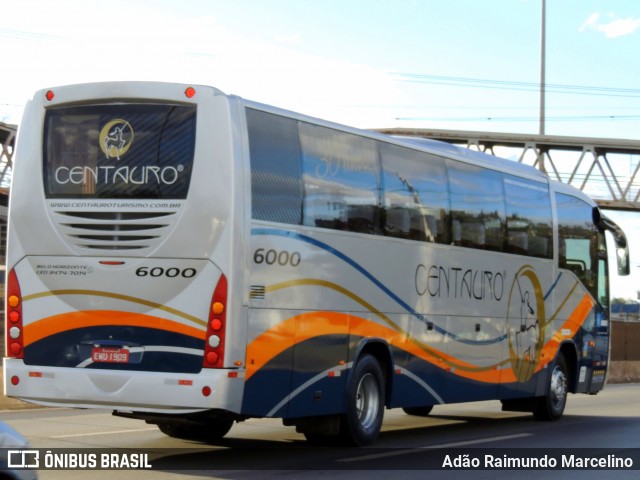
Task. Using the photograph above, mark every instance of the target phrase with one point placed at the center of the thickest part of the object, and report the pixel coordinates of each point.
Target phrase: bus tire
(205, 432)
(418, 411)
(361, 423)
(551, 406)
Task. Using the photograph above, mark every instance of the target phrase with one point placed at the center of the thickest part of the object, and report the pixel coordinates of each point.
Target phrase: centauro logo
(116, 138)
(526, 322)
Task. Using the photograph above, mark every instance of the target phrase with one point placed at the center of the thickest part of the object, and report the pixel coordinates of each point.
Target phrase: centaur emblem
(116, 138)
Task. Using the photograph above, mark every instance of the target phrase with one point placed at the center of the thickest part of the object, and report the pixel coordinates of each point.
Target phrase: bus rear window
(119, 151)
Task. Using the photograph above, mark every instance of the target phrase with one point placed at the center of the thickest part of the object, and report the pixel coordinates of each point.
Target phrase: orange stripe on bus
(282, 337)
(92, 318)
(302, 327)
(395, 336)
(116, 296)
(570, 327)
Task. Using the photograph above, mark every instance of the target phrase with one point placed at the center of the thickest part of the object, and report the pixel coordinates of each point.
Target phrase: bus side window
(276, 172)
(416, 198)
(477, 206)
(578, 240)
(341, 175)
(529, 224)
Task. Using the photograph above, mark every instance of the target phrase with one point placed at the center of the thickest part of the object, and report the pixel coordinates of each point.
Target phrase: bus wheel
(205, 432)
(418, 411)
(551, 406)
(362, 421)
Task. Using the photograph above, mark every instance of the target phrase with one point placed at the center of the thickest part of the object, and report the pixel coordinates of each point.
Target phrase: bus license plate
(110, 355)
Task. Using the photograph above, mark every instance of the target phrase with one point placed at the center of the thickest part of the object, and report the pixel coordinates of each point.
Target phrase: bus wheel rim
(558, 387)
(367, 400)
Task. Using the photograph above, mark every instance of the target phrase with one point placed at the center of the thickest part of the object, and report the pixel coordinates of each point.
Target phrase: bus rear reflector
(216, 327)
(14, 339)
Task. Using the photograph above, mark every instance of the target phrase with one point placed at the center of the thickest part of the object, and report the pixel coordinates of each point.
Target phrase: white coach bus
(194, 259)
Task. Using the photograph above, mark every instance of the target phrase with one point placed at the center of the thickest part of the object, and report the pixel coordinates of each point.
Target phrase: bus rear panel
(118, 284)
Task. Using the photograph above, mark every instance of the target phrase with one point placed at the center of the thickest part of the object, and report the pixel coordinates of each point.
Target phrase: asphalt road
(408, 447)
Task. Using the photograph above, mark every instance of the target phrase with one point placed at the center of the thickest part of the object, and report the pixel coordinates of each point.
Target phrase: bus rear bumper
(158, 392)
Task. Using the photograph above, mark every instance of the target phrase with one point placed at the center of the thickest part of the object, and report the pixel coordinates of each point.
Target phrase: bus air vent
(257, 292)
(114, 230)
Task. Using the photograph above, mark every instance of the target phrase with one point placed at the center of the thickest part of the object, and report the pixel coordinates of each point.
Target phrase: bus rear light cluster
(14, 328)
(216, 326)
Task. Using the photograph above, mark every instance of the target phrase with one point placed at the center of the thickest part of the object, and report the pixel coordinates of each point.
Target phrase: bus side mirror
(622, 256)
(622, 246)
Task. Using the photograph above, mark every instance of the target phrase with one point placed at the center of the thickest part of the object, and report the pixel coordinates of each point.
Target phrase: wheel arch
(380, 350)
(570, 354)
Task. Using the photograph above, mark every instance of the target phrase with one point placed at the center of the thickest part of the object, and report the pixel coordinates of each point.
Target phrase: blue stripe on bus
(380, 285)
(553, 286)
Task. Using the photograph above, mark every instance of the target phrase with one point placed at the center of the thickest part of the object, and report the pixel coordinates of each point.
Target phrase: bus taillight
(216, 326)
(14, 328)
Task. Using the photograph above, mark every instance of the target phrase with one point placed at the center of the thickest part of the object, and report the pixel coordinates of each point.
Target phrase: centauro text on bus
(194, 259)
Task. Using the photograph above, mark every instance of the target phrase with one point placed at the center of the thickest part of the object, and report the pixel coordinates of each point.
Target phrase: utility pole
(543, 48)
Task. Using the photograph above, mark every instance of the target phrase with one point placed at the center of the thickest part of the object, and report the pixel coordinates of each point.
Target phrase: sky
(459, 64)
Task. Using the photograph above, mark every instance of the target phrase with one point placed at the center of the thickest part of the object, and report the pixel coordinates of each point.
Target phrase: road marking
(71, 435)
(434, 447)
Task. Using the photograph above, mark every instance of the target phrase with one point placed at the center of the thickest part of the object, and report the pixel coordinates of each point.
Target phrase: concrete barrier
(624, 372)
